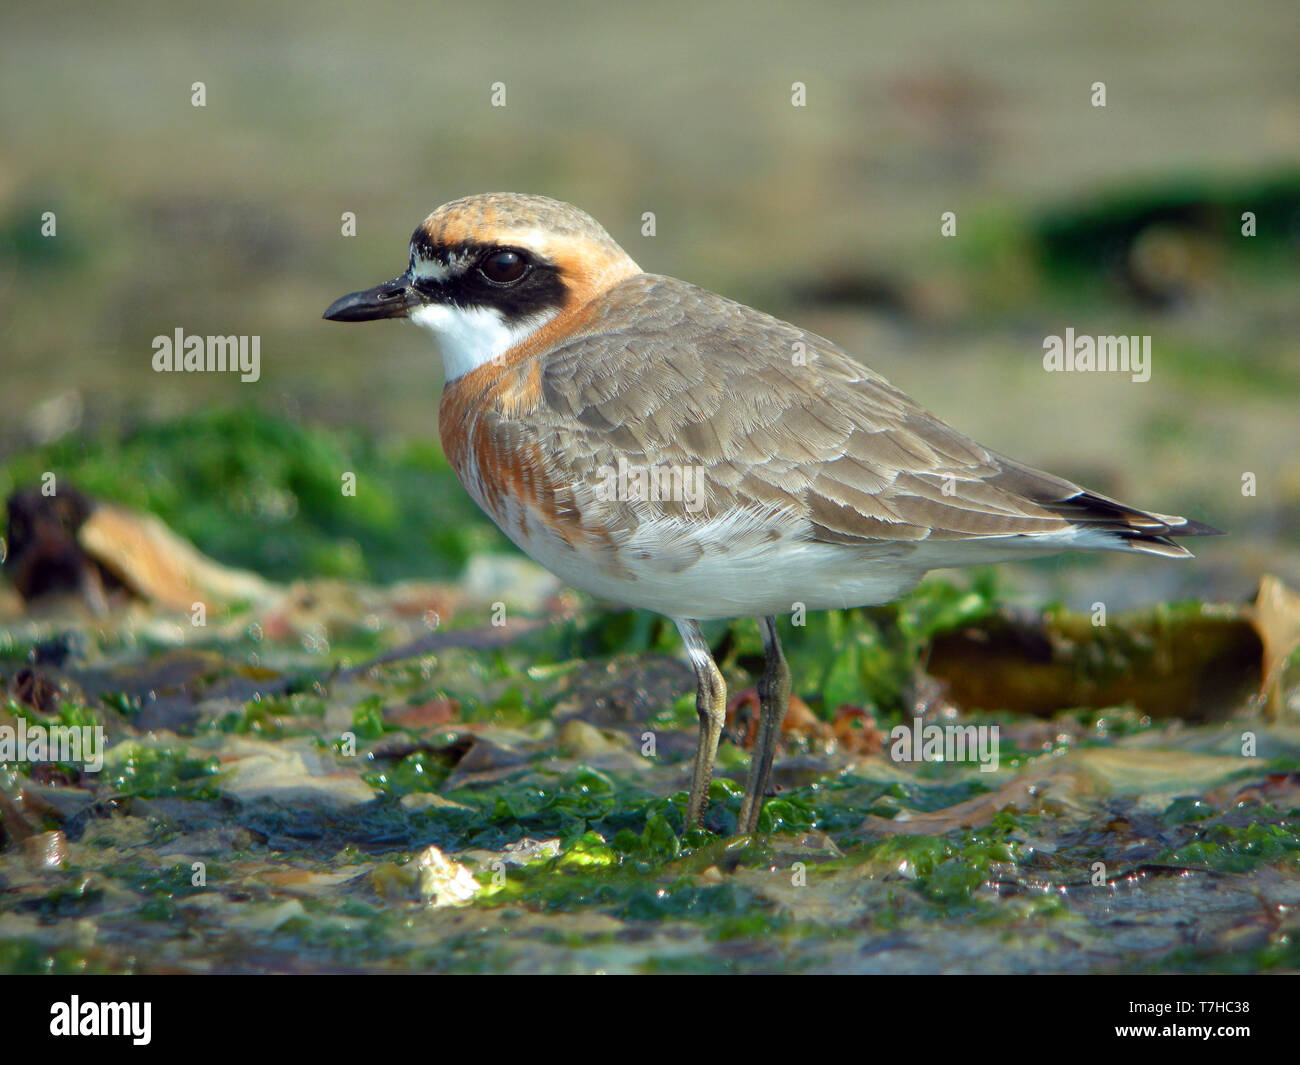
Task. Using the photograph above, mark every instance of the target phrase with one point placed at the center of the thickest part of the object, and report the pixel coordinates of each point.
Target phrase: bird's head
(486, 272)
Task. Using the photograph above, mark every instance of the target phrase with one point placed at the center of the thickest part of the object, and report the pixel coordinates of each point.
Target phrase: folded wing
(788, 430)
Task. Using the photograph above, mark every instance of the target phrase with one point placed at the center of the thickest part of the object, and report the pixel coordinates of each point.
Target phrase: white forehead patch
(435, 269)
(470, 337)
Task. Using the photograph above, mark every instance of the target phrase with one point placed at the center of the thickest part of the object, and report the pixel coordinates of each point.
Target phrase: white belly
(704, 573)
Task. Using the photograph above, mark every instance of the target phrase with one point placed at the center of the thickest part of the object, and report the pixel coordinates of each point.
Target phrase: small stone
(47, 850)
(444, 882)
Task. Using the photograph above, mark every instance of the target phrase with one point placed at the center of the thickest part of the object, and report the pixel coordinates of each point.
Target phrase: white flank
(730, 567)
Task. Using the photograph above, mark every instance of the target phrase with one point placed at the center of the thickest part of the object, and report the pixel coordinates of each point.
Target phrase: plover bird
(658, 445)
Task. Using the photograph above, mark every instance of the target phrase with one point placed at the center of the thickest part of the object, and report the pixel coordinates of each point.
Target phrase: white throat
(469, 337)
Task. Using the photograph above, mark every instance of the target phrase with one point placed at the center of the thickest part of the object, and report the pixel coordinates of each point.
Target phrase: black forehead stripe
(540, 290)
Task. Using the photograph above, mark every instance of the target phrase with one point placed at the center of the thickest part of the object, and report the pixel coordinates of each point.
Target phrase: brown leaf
(1192, 666)
(441, 710)
(743, 709)
(1276, 617)
(1022, 793)
(160, 566)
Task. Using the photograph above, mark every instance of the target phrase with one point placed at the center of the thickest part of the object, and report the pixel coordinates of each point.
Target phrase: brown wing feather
(665, 373)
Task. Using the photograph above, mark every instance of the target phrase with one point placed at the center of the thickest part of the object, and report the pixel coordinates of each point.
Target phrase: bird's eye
(503, 267)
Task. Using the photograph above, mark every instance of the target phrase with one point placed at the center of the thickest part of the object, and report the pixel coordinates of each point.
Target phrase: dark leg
(711, 705)
(773, 701)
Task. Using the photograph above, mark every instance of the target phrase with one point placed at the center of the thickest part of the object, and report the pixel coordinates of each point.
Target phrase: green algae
(160, 772)
(1241, 848)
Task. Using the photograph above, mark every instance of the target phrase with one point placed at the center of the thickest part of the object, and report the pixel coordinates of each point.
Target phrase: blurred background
(226, 219)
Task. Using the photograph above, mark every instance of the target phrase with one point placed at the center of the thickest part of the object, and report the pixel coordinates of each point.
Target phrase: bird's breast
(484, 427)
